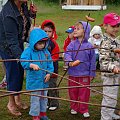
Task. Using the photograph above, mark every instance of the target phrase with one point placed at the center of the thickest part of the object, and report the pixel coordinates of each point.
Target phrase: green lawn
(63, 19)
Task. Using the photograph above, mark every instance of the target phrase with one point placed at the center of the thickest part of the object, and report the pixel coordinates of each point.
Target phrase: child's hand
(117, 50)
(75, 63)
(96, 46)
(116, 70)
(34, 67)
(47, 77)
(91, 78)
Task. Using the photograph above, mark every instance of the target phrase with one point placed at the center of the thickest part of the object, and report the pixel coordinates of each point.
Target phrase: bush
(115, 2)
(54, 1)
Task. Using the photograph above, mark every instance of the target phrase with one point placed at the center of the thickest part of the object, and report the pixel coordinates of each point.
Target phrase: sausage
(89, 19)
(75, 63)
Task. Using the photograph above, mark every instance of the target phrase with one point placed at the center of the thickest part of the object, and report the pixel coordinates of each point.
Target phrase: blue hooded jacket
(88, 67)
(35, 79)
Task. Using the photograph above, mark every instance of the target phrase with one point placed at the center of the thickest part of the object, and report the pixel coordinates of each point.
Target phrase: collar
(14, 7)
(109, 37)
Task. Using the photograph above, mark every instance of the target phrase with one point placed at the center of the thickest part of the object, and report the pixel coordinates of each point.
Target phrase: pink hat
(111, 19)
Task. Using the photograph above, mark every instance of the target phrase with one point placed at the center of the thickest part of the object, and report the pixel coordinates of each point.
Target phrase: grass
(63, 19)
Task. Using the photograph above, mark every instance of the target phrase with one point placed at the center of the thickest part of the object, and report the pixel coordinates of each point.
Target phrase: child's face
(97, 36)
(112, 30)
(49, 31)
(71, 35)
(79, 31)
(40, 45)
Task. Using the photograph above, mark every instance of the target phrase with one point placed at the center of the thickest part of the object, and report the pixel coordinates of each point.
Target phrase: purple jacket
(87, 66)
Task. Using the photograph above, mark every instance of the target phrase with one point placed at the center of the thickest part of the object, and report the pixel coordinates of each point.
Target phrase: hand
(75, 63)
(116, 70)
(34, 67)
(117, 50)
(47, 77)
(33, 11)
(96, 46)
(91, 78)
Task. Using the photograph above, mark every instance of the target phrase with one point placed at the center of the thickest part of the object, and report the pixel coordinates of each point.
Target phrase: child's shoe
(86, 115)
(44, 118)
(52, 108)
(36, 118)
(73, 112)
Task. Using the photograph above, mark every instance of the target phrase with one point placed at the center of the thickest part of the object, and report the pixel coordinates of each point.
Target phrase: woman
(14, 27)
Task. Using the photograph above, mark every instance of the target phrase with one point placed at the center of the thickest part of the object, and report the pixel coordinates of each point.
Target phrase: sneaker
(44, 118)
(36, 118)
(47, 107)
(73, 112)
(52, 108)
(86, 115)
(3, 85)
(115, 117)
(4, 79)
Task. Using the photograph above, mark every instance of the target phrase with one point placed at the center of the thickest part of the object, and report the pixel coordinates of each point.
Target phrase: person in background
(36, 77)
(95, 39)
(109, 64)
(49, 27)
(70, 37)
(3, 83)
(14, 27)
(81, 73)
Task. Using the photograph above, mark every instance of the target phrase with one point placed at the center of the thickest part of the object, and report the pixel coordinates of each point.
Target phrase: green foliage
(51, 1)
(115, 2)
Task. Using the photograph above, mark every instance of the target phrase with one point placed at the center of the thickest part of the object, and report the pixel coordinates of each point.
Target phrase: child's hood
(96, 30)
(87, 29)
(36, 35)
(55, 36)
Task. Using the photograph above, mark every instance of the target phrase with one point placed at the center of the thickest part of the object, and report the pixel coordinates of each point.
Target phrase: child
(82, 73)
(49, 27)
(36, 78)
(109, 64)
(70, 37)
(95, 40)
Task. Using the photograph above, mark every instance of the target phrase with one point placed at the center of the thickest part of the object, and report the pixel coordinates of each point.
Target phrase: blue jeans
(38, 104)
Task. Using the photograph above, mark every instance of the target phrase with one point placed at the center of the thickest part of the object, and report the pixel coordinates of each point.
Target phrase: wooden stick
(60, 88)
(79, 84)
(63, 99)
(21, 60)
(64, 78)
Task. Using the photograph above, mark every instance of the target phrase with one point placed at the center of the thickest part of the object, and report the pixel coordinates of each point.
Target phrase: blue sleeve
(11, 32)
(26, 56)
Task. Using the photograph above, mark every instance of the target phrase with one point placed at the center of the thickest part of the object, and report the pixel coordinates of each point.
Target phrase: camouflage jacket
(108, 59)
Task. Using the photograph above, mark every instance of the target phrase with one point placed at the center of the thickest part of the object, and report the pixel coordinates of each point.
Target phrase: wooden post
(91, 2)
(84, 2)
(68, 2)
(98, 2)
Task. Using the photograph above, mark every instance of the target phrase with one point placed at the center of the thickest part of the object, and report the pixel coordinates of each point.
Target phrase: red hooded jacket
(53, 46)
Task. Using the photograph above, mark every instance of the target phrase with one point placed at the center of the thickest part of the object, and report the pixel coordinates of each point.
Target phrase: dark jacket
(11, 29)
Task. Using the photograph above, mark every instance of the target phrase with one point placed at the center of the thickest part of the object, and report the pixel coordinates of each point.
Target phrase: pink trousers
(79, 94)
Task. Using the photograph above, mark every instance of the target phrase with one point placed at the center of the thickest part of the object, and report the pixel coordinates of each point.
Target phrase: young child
(84, 72)
(70, 37)
(95, 40)
(109, 64)
(49, 27)
(37, 78)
